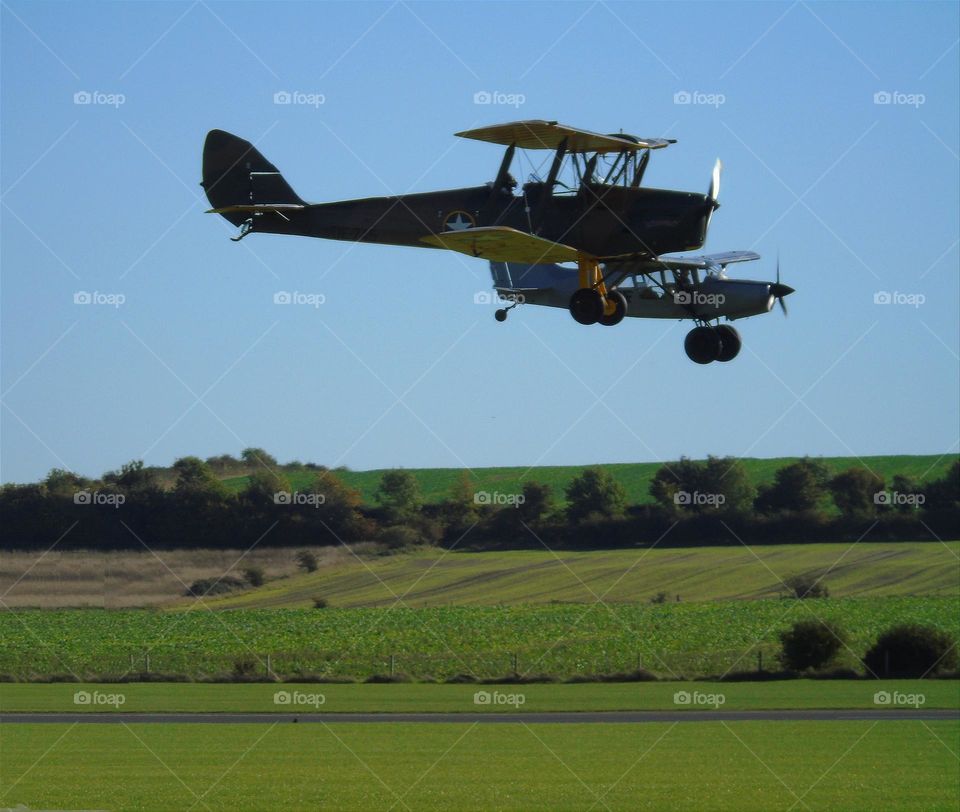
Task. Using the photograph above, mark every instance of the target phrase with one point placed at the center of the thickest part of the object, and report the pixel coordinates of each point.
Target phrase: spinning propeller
(779, 290)
(714, 191)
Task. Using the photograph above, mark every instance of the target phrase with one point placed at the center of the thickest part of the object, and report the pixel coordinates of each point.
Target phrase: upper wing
(503, 244)
(705, 261)
(539, 134)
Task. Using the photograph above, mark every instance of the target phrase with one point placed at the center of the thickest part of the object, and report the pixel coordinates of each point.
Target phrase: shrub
(807, 586)
(400, 537)
(215, 586)
(254, 576)
(320, 603)
(660, 597)
(384, 679)
(307, 561)
(245, 666)
(810, 644)
(911, 650)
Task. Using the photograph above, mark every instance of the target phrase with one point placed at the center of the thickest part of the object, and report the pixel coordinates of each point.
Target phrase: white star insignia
(459, 224)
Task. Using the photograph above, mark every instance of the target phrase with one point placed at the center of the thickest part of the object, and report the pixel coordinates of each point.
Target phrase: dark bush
(215, 586)
(307, 561)
(320, 603)
(810, 644)
(245, 666)
(807, 586)
(400, 537)
(254, 576)
(640, 675)
(461, 679)
(911, 650)
(379, 679)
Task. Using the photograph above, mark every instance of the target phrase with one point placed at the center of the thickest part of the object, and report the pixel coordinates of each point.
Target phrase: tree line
(694, 502)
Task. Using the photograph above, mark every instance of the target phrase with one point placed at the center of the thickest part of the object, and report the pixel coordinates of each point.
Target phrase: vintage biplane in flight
(591, 212)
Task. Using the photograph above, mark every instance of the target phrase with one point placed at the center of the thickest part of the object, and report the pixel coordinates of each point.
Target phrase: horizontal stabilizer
(259, 208)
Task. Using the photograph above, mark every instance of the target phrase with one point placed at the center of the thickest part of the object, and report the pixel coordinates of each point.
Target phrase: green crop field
(736, 766)
(437, 578)
(436, 483)
(560, 639)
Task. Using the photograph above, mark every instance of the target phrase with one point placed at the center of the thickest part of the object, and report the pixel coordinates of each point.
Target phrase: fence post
(132, 664)
(759, 661)
(146, 661)
(269, 667)
(639, 662)
(393, 663)
(515, 669)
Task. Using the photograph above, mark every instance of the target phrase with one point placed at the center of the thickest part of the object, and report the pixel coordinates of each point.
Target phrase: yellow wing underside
(503, 244)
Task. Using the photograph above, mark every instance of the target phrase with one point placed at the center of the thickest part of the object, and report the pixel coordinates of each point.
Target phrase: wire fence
(556, 662)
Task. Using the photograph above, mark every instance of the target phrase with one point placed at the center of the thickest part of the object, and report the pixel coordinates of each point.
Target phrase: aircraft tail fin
(236, 176)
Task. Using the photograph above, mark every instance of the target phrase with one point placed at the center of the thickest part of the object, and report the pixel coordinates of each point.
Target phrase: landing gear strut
(592, 303)
(705, 344)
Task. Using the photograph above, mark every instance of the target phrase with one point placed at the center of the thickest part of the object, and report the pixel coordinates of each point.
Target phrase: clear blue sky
(399, 367)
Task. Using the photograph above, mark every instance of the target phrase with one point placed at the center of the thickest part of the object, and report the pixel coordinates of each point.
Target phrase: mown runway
(605, 717)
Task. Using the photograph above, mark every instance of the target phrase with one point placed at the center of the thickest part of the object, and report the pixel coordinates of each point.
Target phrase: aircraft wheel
(702, 345)
(586, 306)
(619, 309)
(729, 343)
(500, 315)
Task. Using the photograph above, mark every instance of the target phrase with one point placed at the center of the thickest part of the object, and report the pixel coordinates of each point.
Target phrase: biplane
(586, 236)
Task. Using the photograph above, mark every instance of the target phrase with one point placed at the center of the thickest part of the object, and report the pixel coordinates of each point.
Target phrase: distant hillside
(436, 483)
(439, 578)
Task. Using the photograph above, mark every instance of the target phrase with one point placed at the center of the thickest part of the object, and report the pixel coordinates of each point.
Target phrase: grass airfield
(736, 766)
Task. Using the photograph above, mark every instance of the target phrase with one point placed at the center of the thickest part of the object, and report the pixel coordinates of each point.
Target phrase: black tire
(586, 306)
(500, 315)
(702, 345)
(620, 309)
(729, 343)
